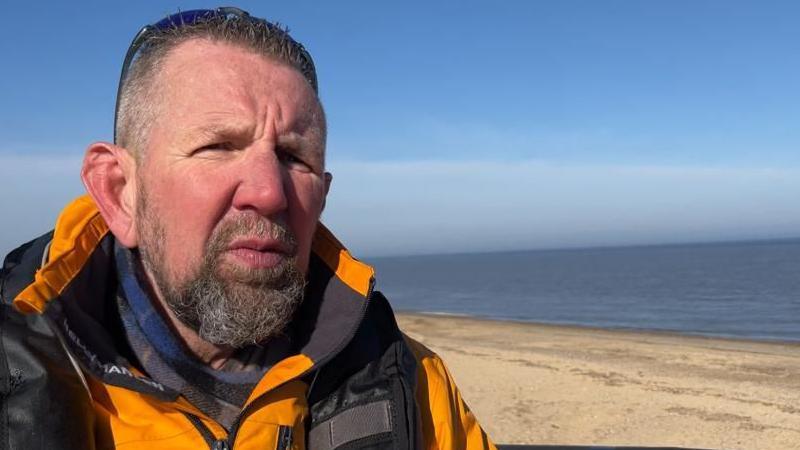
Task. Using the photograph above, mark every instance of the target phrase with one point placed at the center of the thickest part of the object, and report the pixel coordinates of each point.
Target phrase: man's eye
(291, 161)
(216, 146)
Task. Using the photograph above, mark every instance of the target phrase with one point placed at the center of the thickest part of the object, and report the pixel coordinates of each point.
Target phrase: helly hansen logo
(111, 369)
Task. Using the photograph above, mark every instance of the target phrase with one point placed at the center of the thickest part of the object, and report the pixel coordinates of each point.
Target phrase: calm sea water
(748, 290)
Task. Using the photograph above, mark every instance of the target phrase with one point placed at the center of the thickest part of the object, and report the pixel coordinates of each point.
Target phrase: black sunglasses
(193, 17)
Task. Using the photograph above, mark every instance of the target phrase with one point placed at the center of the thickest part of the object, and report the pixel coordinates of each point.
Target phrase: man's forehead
(219, 81)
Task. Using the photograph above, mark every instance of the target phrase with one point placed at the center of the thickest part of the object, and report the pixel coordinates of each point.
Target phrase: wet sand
(542, 384)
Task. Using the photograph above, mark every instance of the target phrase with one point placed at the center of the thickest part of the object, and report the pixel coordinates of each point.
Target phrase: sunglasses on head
(189, 18)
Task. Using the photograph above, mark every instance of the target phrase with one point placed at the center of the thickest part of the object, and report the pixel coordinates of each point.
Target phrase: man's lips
(258, 253)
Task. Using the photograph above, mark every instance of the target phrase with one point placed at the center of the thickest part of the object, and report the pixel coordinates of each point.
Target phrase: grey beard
(227, 305)
(238, 314)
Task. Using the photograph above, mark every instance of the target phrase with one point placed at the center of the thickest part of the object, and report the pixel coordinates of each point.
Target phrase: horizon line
(579, 247)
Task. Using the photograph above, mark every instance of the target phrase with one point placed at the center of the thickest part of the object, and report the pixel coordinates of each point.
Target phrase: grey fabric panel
(355, 423)
(326, 325)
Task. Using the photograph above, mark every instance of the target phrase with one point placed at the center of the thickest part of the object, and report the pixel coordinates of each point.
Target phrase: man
(192, 299)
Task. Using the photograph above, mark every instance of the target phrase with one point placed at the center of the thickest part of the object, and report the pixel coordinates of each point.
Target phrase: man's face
(231, 184)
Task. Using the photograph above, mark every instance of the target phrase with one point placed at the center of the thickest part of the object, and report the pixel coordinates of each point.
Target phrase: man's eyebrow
(292, 139)
(225, 129)
(297, 141)
(305, 146)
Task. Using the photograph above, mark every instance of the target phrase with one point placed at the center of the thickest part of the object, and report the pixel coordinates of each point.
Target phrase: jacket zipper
(284, 437)
(208, 436)
(320, 363)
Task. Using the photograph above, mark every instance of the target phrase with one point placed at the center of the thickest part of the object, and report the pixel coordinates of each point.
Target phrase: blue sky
(471, 126)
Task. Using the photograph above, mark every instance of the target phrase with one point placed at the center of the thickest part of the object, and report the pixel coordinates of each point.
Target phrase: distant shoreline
(620, 246)
(631, 330)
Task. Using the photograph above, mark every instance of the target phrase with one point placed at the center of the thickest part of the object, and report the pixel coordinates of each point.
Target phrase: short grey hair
(140, 95)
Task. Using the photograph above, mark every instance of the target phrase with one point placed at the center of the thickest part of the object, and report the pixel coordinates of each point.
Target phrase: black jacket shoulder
(20, 266)
(43, 402)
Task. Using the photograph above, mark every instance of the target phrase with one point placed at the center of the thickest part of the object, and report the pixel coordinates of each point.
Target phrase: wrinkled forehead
(203, 81)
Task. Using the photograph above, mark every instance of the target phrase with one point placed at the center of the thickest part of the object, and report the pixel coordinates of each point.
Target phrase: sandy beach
(542, 384)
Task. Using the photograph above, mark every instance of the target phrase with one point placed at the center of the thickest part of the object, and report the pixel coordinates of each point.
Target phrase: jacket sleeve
(447, 422)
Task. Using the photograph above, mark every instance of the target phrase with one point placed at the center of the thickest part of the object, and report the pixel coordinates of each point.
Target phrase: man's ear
(109, 175)
(328, 178)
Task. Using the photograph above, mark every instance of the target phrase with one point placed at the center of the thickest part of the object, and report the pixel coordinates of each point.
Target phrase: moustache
(251, 227)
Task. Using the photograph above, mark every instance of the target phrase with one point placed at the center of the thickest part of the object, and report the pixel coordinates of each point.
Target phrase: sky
(469, 126)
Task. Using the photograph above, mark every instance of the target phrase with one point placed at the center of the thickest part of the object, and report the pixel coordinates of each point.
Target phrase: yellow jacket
(357, 382)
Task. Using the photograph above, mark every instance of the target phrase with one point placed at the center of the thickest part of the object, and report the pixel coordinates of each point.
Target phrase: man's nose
(262, 183)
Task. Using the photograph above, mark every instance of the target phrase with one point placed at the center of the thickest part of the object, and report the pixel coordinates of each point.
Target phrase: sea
(747, 290)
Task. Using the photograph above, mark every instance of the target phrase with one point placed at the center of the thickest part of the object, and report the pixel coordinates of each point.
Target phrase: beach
(548, 384)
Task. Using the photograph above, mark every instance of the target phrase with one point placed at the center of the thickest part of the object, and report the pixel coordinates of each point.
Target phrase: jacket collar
(72, 289)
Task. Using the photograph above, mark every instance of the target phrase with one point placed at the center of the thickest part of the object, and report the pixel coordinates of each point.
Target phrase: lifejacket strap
(359, 422)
